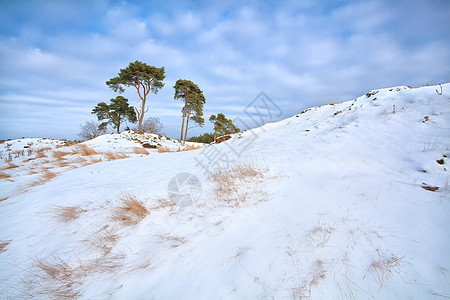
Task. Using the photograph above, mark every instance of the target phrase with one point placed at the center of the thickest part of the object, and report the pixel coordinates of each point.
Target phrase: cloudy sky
(56, 56)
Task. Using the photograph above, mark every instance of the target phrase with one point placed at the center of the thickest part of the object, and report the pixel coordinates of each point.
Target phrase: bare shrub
(131, 211)
(90, 130)
(384, 268)
(152, 125)
(67, 213)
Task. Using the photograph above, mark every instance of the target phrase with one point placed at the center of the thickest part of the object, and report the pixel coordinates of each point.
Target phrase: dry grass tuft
(191, 147)
(174, 241)
(104, 240)
(41, 152)
(56, 279)
(320, 235)
(429, 187)
(46, 176)
(59, 155)
(67, 213)
(229, 182)
(4, 175)
(114, 156)
(164, 149)
(10, 166)
(385, 268)
(131, 211)
(3, 246)
(3, 199)
(137, 150)
(84, 150)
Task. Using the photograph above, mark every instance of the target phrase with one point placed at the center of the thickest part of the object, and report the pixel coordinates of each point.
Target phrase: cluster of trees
(147, 79)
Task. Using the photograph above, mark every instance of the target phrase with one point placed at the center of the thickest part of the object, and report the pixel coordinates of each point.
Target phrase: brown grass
(191, 147)
(137, 150)
(3, 199)
(3, 246)
(164, 149)
(114, 156)
(40, 153)
(131, 211)
(59, 155)
(46, 176)
(320, 235)
(105, 240)
(174, 241)
(4, 175)
(57, 279)
(84, 150)
(384, 268)
(10, 166)
(67, 144)
(67, 213)
(429, 187)
(228, 182)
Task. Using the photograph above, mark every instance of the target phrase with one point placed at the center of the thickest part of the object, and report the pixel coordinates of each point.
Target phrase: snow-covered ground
(343, 201)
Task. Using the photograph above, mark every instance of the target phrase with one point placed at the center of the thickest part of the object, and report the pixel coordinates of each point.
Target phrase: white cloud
(299, 54)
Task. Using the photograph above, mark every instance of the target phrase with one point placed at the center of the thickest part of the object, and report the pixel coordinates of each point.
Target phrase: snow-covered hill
(343, 201)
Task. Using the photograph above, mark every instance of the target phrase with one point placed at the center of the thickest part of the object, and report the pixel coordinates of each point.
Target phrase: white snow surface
(340, 212)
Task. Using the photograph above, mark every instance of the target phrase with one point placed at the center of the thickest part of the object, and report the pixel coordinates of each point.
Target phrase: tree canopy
(222, 125)
(115, 113)
(143, 78)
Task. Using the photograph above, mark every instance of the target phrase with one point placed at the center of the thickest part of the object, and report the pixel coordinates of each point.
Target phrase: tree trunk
(141, 115)
(184, 115)
(187, 126)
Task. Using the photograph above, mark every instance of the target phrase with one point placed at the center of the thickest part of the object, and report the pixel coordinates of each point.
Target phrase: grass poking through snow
(131, 210)
(67, 213)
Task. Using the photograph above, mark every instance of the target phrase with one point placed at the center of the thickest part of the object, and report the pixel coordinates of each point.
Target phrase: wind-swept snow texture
(344, 201)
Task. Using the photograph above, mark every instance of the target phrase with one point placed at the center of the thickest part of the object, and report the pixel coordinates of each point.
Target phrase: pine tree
(222, 125)
(144, 78)
(194, 100)
(115, 113)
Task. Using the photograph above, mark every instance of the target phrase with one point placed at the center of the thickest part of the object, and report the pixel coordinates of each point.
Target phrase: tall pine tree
(143, 78)
(194, 100)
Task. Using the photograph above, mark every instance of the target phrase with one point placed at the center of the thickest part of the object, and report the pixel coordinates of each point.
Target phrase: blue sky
(56, 56)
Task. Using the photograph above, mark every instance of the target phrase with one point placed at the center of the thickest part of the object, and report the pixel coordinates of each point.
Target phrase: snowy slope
(347, 201)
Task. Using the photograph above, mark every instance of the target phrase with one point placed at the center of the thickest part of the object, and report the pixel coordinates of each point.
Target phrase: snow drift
(343, 201)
